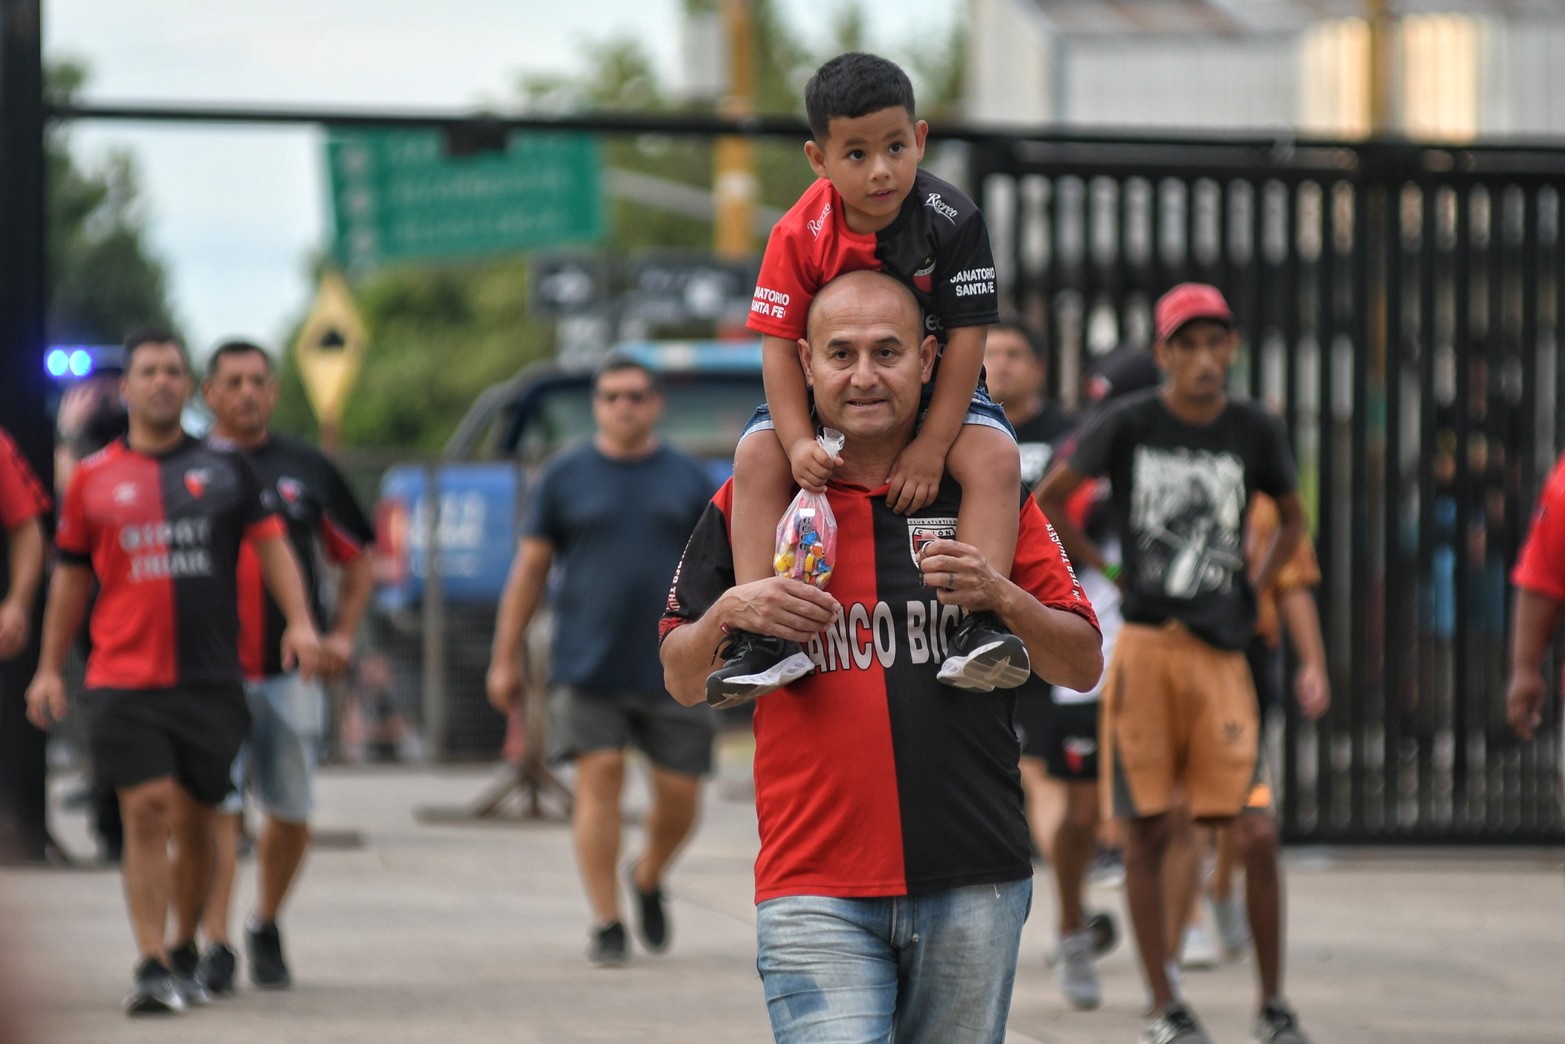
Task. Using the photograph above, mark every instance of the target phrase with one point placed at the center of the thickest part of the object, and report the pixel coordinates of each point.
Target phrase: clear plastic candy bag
(807, 535)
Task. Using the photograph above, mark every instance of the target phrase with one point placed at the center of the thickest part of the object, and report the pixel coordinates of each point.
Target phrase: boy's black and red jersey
(325, 525)
(871, 777)
(162, 535)
(938, 245)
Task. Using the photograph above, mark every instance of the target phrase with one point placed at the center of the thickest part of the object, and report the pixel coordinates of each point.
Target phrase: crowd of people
(1041, 632)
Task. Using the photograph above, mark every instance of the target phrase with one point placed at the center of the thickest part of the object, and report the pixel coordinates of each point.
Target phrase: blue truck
(483, 476)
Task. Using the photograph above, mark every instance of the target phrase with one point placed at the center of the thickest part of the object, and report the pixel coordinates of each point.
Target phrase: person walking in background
(24, 836)
(613, 515)
(894, 874)
(23, 503)
(158, 518)
(1179, 710)
(325, 526)
(1016, 366)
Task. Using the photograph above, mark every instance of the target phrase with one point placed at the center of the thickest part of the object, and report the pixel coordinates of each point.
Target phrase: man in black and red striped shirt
(894, 874)
(158, 518)
(288, 713)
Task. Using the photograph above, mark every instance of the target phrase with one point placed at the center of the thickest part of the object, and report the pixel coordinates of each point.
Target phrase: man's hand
(915, 476)
(46, 702)
(1524, 701)
(503, 684)
(812, 465)
(778, 606)
(1312, 690)
(960, 574)
(14, 629)
(336, 653)
(301, 649)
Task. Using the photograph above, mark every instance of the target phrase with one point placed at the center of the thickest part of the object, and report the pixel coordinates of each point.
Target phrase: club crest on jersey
(196, 480)
(924, 278)
(290, 489)
(920, 531)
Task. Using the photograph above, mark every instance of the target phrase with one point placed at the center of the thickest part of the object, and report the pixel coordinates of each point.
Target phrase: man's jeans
(931, 968)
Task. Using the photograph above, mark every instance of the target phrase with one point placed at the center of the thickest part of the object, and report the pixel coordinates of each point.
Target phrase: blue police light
(57, 362)
(81, 363)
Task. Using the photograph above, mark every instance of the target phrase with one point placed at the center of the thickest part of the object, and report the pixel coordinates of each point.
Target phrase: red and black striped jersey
(871, 777)
(325, 526)
(22, 496)
(162, 535)
(938, 245)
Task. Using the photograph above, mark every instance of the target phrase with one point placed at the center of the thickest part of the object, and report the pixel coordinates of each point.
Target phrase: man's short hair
(906, 295)
(851, 85)
(617, 362)
(152, 335)
(236, 347)
(1016, 323)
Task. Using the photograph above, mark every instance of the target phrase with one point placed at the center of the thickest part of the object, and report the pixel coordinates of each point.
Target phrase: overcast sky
(235, 214)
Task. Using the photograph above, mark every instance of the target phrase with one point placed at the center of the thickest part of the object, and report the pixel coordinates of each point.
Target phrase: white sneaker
(1197, 950)
(1075, 971)
(1232, 923)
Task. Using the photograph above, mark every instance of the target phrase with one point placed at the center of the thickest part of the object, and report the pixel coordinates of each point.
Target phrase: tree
(104, 280)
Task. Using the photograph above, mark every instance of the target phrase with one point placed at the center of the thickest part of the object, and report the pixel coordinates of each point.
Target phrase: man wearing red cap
(1179, 711)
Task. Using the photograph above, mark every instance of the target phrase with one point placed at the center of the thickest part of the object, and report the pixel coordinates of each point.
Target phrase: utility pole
(1382, 43)
(23, 387)
(733, 158)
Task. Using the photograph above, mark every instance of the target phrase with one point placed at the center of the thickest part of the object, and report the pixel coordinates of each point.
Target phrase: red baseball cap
(1187, 302)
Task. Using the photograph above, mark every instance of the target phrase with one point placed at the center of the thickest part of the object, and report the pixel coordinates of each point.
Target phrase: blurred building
(1452, 69)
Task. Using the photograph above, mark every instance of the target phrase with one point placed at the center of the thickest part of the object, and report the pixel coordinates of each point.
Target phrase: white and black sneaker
(756, 665)
(154, 992)
(185, 962)
(985, 656)
(1174, 1025)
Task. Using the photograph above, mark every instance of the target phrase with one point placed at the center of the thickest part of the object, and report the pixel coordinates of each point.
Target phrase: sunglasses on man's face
(635, 398)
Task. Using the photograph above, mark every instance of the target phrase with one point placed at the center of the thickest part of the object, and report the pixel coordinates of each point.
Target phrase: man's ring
(950, 581)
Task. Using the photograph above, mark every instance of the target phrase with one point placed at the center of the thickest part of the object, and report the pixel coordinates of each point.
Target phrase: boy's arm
(915, 479)
(787, 397)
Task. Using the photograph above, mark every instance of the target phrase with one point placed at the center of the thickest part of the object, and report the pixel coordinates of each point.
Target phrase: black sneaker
(607, 947)
(1174, 1025)
(1104, 932)
(154, 992)
(756, 665)
(264, 944)
(651, 918)
(984, 656)
(216, 970)
(183, 961)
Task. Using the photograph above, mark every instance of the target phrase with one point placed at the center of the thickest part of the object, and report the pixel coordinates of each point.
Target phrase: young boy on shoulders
(873, 208)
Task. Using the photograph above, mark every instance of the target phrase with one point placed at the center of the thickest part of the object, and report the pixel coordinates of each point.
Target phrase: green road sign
(397, 196)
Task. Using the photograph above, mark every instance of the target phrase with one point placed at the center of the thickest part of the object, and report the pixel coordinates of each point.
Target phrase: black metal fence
(1402, 305)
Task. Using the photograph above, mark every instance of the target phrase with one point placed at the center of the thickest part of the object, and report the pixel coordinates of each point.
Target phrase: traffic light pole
(23, 391)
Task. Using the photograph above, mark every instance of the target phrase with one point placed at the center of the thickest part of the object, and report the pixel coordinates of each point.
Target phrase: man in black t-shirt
(1015, 368)
(1179, 712)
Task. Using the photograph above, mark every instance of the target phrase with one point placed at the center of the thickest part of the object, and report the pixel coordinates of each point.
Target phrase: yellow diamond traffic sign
(330, 348)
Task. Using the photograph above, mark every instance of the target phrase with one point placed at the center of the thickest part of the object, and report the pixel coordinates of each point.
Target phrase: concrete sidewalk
(407, 930)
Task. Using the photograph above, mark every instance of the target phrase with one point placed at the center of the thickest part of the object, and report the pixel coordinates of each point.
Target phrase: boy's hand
(915, 477)
(812, 466)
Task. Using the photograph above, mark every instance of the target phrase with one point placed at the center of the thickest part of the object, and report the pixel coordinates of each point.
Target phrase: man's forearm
(63, 614)
(283, 580)
(519, 599)
(26, 554)
(353, 594)
(1535, 619)
(1064, 647)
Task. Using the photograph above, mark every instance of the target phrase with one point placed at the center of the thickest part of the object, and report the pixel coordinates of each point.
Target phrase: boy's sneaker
(216, 971)
(1278, 1025)
(651, 917)
(607, 948)
(183, 962)
(984, 656)
(154, 991)
(1233, 924)
(264, 946)
(1075, 972)
(1197, 951)
(756, 665)
(1174, 1025)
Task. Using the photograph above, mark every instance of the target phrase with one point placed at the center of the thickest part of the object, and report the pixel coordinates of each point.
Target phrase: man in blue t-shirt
(613, 514)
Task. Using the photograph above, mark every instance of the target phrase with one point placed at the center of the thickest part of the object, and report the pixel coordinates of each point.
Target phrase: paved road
(408, 930)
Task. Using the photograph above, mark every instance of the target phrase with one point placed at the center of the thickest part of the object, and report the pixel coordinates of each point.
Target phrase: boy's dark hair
(1015, 322)
(151, 335)
(236, 347)
(851, 85)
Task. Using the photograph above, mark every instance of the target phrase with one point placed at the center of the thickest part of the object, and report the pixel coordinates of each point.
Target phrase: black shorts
(1266, 667)
(190, 733)
(1070, 743)
(583, 721)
